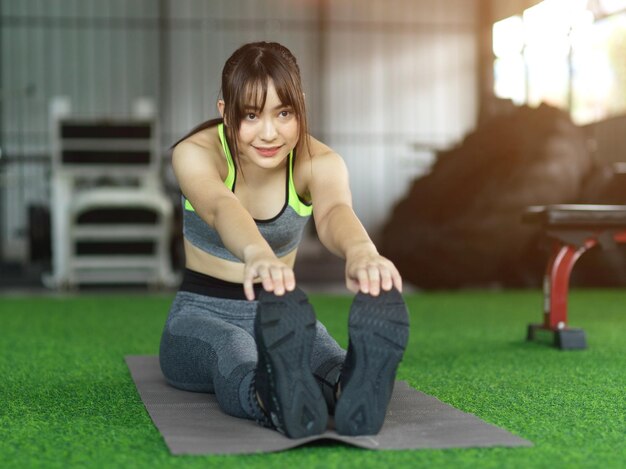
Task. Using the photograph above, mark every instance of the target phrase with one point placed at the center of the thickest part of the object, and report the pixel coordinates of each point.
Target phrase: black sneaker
(284, 330)
(379, 332)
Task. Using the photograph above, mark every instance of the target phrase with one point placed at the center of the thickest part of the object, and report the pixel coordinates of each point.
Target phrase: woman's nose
(268, 131)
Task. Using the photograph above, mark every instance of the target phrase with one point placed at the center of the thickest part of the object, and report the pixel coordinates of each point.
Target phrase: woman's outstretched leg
(204, 353)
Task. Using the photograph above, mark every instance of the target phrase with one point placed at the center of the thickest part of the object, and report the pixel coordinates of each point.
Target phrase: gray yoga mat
(192, 423)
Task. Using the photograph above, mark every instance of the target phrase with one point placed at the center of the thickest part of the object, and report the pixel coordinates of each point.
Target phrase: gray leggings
(208, 346)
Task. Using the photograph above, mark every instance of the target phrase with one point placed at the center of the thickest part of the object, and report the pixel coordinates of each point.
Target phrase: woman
(239, 327)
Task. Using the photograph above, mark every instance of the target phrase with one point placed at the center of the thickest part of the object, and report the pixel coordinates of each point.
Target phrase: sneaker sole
(379, 332)
(285, 332)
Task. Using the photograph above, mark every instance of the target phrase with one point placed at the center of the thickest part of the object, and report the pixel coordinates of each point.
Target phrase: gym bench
(574, 229)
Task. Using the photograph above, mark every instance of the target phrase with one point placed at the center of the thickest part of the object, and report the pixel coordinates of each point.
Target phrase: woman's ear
(220, 107)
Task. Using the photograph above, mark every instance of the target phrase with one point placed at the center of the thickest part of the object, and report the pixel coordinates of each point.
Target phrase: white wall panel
(400, 77)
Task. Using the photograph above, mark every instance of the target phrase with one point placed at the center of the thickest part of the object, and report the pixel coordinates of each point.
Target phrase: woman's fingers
(386, 282)
(397, 279)
(373, 275)
(278, 280)
(248, 287)
(266, 278)
(275, 277)
(363, 280)
(374, 278)
(289, 279)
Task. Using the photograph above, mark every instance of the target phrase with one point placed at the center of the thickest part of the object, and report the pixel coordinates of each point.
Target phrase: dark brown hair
(245, 77)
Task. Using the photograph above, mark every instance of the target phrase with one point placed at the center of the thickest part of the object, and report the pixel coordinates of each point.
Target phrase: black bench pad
(577, 216)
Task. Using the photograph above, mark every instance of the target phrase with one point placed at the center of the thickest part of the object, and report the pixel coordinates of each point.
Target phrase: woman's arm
(340, 230)
(202, 185)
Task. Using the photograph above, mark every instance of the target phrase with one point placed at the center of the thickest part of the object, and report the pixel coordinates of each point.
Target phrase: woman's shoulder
(203, 145)
(317, 161)
(203, 139)
(206, 140)
(315, 148)
(319, 155)
(314, 152)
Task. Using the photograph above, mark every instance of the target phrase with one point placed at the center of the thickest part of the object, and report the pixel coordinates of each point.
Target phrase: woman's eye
(251, 116)
(285, 113)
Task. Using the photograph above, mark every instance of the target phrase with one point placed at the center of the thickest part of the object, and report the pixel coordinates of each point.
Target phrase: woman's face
(267, 136)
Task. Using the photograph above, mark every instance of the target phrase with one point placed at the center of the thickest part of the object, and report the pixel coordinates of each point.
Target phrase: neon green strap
(302, 209)
(230, 178)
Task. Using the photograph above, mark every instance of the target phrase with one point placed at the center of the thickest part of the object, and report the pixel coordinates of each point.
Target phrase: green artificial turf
(67, 398)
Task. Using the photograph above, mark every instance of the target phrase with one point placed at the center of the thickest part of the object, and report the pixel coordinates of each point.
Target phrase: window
(567, 53)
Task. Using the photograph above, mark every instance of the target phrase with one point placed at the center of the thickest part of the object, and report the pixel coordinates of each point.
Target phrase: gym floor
(69, 400)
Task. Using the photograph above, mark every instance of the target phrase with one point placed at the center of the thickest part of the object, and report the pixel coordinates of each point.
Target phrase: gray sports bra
(283, 232)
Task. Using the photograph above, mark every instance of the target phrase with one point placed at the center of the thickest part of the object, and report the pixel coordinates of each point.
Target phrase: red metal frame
(557, 276)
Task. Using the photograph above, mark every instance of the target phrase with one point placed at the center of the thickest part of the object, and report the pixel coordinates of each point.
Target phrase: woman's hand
(276, 276)
(368, 272)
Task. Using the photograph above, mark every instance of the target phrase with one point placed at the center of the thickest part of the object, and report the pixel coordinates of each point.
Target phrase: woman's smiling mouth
(268, 151)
